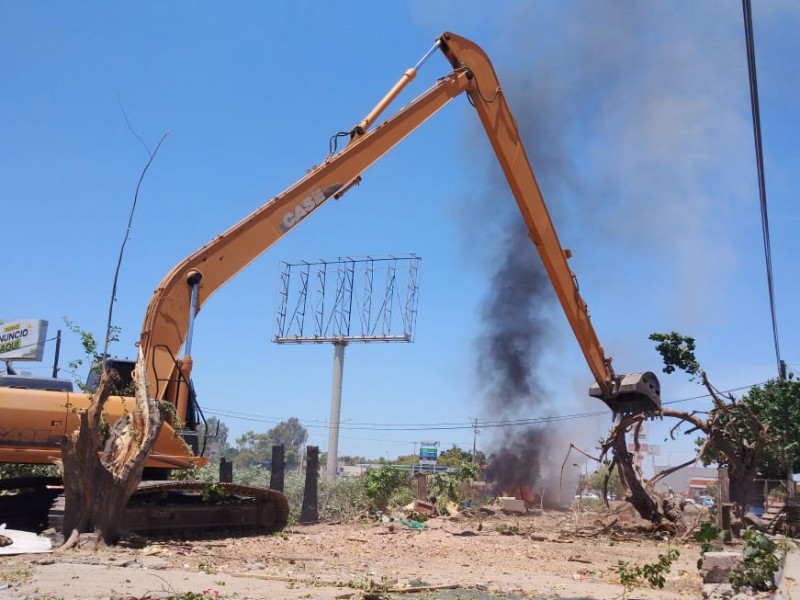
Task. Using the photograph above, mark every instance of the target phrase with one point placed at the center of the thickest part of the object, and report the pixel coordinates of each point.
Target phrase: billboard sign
(642, 448)
(428, 453)
(22, 339)
(655, 450)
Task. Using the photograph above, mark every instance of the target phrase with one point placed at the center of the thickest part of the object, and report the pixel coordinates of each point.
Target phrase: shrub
(382, 483)
(760, 562)
(653, 573)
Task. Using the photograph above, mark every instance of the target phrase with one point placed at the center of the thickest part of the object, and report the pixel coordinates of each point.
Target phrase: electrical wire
(456, 426)
(762, 188)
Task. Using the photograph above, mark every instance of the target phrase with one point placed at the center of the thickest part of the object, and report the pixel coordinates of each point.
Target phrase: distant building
(689, 482)
(352, 470)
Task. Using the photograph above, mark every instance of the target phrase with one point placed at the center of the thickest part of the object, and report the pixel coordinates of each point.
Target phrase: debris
(400, 590)
(580, 559)
(510, 504)
(424, 508)
(464, 533)
(269, 577)
(23, 542)
(508, 529)
(413, 524)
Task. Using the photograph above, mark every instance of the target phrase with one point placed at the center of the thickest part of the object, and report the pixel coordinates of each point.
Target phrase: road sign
(428, 453)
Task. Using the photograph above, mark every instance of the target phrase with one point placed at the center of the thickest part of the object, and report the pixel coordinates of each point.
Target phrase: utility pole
(790, 485)
(474, 438)
(58, 351)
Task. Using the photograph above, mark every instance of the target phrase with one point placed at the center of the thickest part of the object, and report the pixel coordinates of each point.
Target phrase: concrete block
(511, 504)
(424, 508)
(717, 566)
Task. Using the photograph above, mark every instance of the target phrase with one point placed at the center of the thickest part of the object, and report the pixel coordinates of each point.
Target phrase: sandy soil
(545, 555)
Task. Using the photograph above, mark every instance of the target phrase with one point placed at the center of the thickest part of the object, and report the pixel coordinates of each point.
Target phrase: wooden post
(724, 517)
(723, 486)
(422, 486)
(723, 501)
(225, 471)
(309, 513)
(277, 469)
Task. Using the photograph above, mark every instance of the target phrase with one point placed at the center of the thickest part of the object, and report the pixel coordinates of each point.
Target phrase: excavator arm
(170, 316)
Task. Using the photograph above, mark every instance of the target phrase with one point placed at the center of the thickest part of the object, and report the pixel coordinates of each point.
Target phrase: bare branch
(561, 478)
(666, 472)
(130, 127)
(122, 247)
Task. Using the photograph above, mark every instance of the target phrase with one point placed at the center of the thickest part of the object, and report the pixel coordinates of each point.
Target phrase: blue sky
(636, 118)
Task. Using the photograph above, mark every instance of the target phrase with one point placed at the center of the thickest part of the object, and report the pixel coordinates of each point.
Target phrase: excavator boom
(183, 291)
(167, 320)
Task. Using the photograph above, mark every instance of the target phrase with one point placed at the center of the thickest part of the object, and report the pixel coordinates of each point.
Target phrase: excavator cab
(633, 393)
(124, 368)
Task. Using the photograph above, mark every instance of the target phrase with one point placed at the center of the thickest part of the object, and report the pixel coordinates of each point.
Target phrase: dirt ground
(540, 555)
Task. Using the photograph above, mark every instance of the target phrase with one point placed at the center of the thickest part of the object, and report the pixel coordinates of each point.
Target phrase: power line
(762, 188)
(456, 426)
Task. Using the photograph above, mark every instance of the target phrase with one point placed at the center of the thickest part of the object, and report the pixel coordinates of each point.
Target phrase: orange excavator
(36, 414)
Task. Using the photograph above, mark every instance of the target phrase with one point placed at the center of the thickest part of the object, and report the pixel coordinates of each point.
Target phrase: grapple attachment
(634, 393)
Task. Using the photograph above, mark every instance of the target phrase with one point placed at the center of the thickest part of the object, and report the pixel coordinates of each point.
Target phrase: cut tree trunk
(103, 468)
(639, 498)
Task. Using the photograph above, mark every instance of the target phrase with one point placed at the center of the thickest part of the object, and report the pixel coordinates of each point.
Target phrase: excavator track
(189, 508)
(24, 501)
(197, 506)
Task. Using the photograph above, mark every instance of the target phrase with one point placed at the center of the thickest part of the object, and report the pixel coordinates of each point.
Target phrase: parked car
(707, 501)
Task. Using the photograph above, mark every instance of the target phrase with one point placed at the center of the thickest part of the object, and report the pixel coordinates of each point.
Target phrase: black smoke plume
(514, 326)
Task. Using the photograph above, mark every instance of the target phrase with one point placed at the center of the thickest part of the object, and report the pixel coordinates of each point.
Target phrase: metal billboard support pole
(336, 409)
(384, 309)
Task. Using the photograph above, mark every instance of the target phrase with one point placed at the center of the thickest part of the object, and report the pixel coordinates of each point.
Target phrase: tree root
(70, 542)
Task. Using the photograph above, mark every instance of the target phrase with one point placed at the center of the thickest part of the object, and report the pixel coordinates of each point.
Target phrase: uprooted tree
(758, 433)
